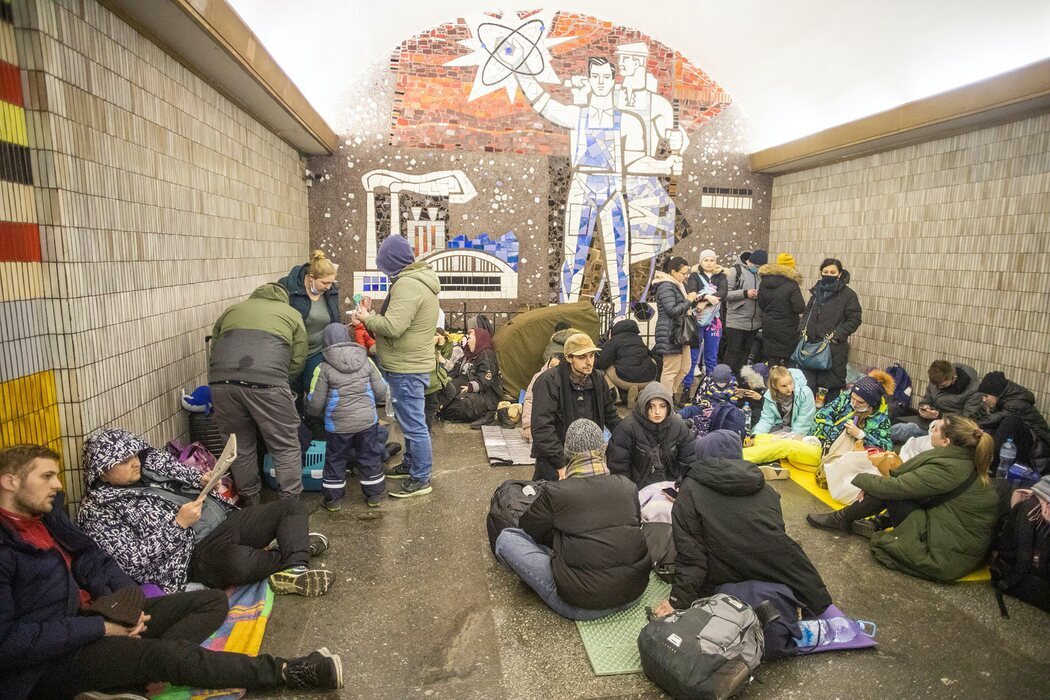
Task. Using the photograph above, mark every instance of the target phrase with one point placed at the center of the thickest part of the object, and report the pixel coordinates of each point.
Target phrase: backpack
(1021, 558)
(900, 403)
(725, 416)
(510, 500)
(706, 652)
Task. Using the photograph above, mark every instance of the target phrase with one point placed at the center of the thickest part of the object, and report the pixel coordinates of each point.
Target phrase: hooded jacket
(780, 300)
(647, 452)
(831, 420)
(135, 524)
(671, 303)
(404, 329)
(946, 541)
(261, 340)
(554, 409)
(742, 312)
(593, 525)
(1017, 401)
(345, 387)
(40, 599)
(803, 409)
(962, 397)
(728, 528)
(556, 346)
(626, 351)
(298, 299)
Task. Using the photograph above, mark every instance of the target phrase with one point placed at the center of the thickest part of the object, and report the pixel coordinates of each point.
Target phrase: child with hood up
(344, 391)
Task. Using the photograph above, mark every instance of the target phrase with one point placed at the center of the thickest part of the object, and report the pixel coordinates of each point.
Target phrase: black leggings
(1014, 427)
(168, 651)
(897, 510)
(233, 554)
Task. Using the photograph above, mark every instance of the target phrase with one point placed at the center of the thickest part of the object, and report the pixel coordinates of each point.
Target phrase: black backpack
(1021, 558)
(510, 500)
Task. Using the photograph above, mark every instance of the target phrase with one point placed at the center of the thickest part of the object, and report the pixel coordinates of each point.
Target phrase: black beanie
(993, 384)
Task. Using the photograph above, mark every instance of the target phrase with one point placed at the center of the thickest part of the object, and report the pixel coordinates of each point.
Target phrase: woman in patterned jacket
(141, 507)
(862, 412)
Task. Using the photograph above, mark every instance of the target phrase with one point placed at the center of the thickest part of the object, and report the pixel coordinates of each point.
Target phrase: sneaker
(401, 471)
(318, 669)
(413, 487)
(333, 506)
(302, 581)
(392, 448)
(375, 501)
(318, 542)
(773, 472)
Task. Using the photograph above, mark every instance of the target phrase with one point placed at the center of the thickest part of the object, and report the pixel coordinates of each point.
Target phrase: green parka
(404, 332)
(946, 541)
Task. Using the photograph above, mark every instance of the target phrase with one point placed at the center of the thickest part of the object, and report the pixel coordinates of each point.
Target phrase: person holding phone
(145, 509)
(952, 389)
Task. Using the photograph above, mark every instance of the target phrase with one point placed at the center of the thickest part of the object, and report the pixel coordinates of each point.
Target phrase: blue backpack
(725, 416)
(900, 402)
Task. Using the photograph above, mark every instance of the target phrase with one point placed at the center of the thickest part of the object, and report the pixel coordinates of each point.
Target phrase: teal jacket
(802, 412)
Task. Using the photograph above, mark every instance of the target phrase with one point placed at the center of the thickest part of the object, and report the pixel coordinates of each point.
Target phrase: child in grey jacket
(344, 392)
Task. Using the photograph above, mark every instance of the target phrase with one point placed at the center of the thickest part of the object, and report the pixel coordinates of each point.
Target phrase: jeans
(532, 563)
(168, 651)
(711, 337)
(407, 393)
(233, 554)
(900, 432)
(367, 449)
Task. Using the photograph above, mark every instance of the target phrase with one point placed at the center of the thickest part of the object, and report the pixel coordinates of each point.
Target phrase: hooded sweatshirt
(404, 328)
(346, 385)
(728, 528)
(648, 452)
(261, 340)
(136, 524)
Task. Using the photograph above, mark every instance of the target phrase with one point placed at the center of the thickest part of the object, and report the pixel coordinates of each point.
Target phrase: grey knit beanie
(583, 436)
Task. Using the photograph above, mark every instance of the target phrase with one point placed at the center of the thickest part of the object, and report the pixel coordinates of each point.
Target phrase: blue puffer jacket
(803, 409)
(39, 600)
(137, 528)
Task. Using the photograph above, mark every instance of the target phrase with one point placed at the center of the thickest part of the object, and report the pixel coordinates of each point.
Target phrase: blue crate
(313, 467)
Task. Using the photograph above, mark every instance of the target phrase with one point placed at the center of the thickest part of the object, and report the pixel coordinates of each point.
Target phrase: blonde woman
(313, 292)
(941, 505)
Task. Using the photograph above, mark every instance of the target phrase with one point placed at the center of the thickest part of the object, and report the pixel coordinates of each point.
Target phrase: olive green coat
(947, 541)
(405, 331)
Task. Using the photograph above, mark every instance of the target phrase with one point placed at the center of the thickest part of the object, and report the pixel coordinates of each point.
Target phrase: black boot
(320, 669)
(830, 521)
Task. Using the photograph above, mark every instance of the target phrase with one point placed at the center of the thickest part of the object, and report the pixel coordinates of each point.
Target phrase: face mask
(313, 290)
(828, 279)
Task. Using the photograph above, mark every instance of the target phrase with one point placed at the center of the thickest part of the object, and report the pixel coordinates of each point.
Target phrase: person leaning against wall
(834, 310)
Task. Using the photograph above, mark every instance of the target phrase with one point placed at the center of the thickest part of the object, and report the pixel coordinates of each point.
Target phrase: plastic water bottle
(747, 418)
(1007, 457)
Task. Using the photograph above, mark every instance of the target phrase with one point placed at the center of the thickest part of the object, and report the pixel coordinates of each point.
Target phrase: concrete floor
(422, 609)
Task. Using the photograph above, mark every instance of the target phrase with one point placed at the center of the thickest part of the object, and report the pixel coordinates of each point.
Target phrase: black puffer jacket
(781, 302)
(1016, 401)
(295, 283)
(481, 376)
(836, 310)
(593, 524)
(648, 452)
(625, 350)
(670, 304)
(728, 528)
(554, 408)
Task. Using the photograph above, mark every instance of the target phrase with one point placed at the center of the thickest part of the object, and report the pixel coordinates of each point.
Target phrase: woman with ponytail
(312, 292)
(941, 505)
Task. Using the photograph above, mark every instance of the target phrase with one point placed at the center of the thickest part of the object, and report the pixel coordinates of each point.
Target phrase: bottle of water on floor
(747, 419)
(1007, 457)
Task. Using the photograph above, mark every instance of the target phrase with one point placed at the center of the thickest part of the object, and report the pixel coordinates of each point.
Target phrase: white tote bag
(840, 471)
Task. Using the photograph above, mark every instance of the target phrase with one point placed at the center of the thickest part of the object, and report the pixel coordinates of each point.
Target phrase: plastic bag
(840, 471)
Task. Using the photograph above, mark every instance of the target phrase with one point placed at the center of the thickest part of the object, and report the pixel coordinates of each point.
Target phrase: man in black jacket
(579, 545)
(1008, 411)
(560, 396)
(728, 528)
(625, 359)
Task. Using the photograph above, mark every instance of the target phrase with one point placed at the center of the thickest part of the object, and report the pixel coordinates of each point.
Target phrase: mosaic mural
(535, 157)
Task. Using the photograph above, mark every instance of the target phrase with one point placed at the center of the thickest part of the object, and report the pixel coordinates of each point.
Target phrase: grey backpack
(707, 652)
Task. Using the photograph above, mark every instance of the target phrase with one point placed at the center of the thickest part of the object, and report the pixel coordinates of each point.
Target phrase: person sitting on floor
(862, 412)
(526, 404)
(344, 391)
(940, 504)
(788, 405)
(718, 387)
(140, 506)
(952, 389)
(560, 396)
(751, 387)
(477, 382)
(51, 647)
(579, 545)
(728, 528)
(440, 390)
(1008, 411)
(625, 360)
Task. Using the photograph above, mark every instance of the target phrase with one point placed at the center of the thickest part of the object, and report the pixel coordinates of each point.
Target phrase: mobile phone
(671, 491)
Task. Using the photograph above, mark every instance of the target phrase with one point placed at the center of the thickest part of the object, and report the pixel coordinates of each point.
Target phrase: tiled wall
(948, 246)
(160, 203)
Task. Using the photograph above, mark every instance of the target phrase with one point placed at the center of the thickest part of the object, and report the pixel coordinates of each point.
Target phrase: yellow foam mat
(807, 480)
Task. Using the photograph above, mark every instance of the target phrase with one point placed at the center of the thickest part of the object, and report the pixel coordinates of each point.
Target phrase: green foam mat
(612, 642)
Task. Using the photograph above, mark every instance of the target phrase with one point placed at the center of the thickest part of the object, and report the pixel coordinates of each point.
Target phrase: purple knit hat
(395, 254)
(869, 389)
